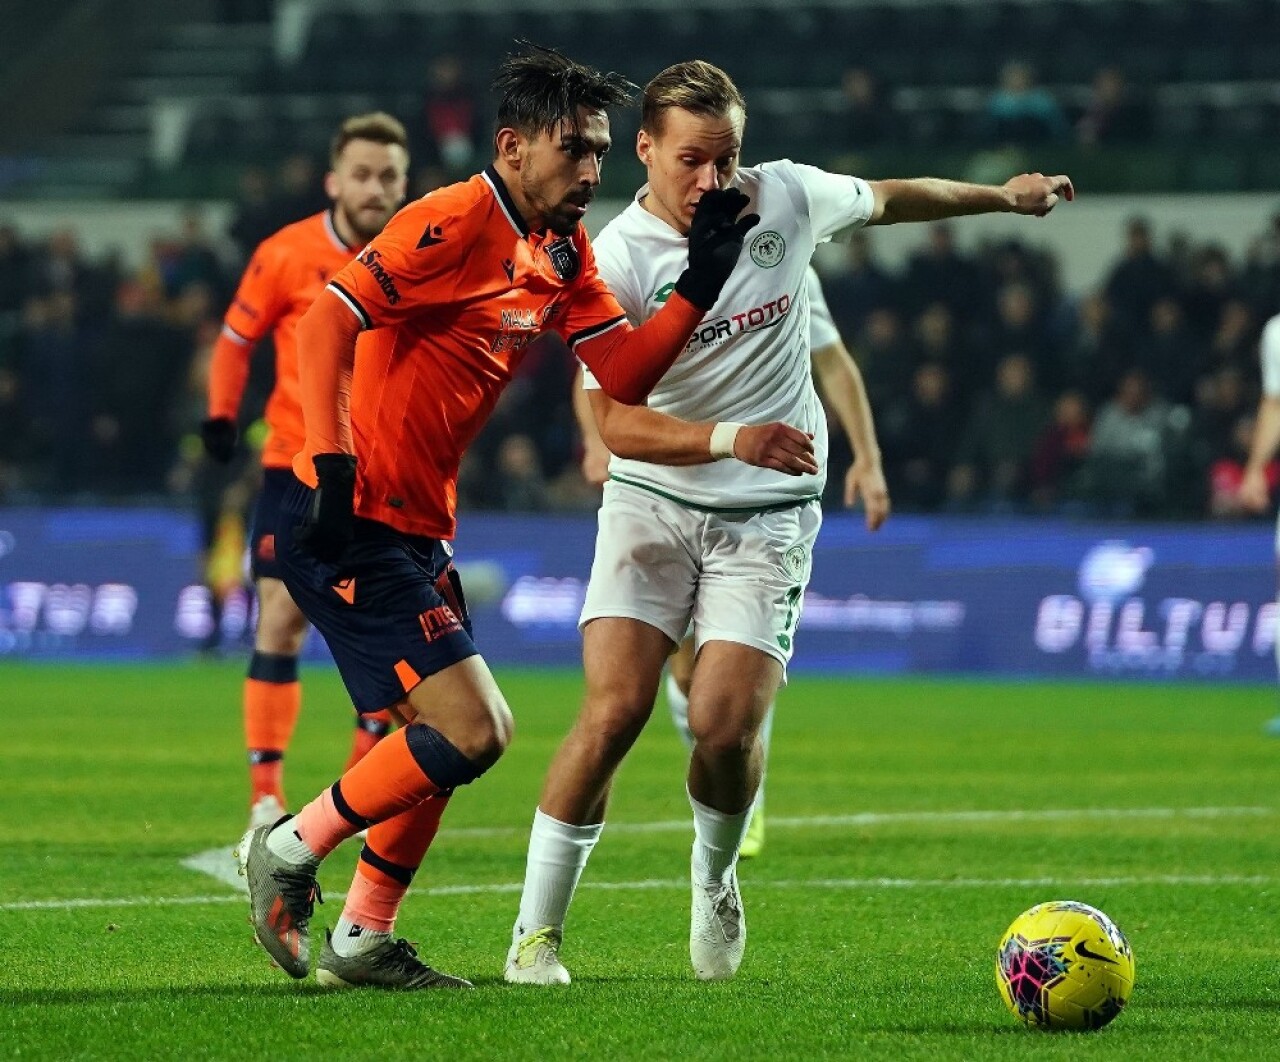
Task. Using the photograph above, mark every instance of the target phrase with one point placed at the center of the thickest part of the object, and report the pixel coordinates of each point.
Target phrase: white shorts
(739, 577)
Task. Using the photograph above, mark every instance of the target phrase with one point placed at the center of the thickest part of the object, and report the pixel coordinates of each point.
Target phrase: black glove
(328, 529)
(219, 437)
(715, 241)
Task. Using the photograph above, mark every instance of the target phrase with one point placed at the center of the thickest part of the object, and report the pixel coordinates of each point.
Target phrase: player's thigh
(754, 573)
(733, 686)
(391, 609)
(646, 561)
(282, 628)
(463, 702)
(681, 663)
(622, 663)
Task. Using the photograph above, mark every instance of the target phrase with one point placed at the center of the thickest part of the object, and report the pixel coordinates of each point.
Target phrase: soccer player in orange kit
(369, 161)
(454, 288)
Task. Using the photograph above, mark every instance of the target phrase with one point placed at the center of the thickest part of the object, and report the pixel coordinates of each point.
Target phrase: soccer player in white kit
(712, 533)
(1255, 491)
(841, 384)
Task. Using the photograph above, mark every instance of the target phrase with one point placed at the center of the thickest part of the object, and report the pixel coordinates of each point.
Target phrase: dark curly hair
(539, 87)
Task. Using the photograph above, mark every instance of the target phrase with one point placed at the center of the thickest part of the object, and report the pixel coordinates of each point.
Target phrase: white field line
(889, 818)
(218, 864)
(681, 884)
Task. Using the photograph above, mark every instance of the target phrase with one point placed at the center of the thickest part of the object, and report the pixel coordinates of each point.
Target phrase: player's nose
(708, 177)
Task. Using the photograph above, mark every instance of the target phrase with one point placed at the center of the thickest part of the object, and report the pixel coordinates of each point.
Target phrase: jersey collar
(499, 187)
(332, 229)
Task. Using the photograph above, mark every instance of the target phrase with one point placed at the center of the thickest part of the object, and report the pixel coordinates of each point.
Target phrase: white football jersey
(748, 360)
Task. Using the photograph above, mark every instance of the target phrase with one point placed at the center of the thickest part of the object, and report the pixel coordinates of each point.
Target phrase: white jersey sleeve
(1270, 354)
(836, 204)
(822, 329)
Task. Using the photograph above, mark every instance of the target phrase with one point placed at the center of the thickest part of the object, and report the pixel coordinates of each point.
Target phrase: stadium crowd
(993, 390)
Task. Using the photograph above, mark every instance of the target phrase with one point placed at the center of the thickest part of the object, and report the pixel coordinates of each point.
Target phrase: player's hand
(778, 446)
(219, 436)
(595, 465)
(867, 479)
(1036, 194)
(715, 241)
(329, 528)
(1255, 495)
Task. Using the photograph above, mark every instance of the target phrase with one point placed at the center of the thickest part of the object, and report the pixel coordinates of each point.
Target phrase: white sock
(679, 705)
(558, 852)
(716, 840)
(350, 939)
(285, 842)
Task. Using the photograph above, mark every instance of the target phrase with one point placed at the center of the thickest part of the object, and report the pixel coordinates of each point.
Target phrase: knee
(489, 734)
(722, 732)
(612, 720)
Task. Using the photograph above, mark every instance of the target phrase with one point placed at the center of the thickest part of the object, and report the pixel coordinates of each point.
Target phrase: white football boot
(717, 930)
(534, 959)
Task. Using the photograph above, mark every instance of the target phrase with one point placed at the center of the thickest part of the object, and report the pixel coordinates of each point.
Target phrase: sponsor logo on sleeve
(372, 261)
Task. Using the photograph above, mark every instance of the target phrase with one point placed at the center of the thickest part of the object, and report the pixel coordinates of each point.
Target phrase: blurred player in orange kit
(453, 290)
(369, 160)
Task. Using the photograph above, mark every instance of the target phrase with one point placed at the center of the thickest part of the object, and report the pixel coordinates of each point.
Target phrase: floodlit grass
(874, 911)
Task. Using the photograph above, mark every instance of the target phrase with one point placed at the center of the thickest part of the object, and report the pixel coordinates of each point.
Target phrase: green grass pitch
(873, 913)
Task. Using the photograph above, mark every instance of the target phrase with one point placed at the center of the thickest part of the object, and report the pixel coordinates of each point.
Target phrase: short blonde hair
(695, 86)
(377, 126)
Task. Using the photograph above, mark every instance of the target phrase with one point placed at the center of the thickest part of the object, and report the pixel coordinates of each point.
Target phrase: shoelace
(535, 942)
(300, 890)
(728, 912)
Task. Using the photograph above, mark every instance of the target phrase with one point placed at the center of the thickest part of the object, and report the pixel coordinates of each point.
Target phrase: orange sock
(371, 727)
(391, 857)
(387, 781)
(272, 701)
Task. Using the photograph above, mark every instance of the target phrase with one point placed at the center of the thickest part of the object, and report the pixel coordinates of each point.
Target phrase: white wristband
(723, 436)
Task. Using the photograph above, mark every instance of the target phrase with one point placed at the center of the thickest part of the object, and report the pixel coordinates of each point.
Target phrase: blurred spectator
(1115, 113)
(14, 436)
(1018, 328)
(299, 192)
(253, 219)
(1169, 354)
(1210, 289)
(53, 374)
(1236, 338)
(190, 259)
(450, 135)
(14, 265)
(864, 112)
(860, 287)
(884, 356)
(1098, 351)
(1126, 466)
(1226, 474)
(994, 455)
(940, 273)
(1138, 280)
(1020, 112)
(918, 433)
(938, 339)
(517, 484)
(1060, 452)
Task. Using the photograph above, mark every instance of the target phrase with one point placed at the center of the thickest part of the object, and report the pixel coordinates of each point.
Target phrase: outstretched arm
(933, 199)
(644, 434)
(842, 385)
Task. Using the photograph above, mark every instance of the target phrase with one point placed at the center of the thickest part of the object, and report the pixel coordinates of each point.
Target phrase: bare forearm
(643, 434)
(1266, 435)
(932, 199)
(844, 389)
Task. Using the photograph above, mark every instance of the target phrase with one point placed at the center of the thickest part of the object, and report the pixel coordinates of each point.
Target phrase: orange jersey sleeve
(258, 303)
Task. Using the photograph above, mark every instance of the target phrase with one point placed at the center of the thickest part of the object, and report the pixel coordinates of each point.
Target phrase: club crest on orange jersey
(564, 258)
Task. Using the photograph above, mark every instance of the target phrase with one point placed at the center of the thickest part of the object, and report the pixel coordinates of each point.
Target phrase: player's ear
(644, 147)
(331, 185)
(510, 145)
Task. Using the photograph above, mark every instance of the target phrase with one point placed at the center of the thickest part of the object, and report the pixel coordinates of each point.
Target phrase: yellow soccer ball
(1064, 965)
